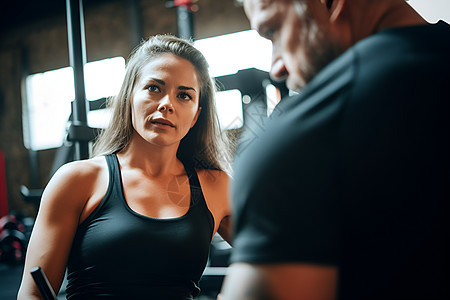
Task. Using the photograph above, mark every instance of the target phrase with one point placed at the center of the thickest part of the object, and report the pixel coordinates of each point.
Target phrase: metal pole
(35, 180)
(185, 21)
(135, 14)
(77, 55)
(185, 17)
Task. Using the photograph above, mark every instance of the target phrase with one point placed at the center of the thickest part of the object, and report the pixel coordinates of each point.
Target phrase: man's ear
(329, 2)
(336, 8)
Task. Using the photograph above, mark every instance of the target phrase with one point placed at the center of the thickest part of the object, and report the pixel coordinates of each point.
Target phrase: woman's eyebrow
(184, 88)
(181, 87)
(158, 81)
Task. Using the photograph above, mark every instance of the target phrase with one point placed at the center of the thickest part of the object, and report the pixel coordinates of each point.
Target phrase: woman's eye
(185, 96)
(153, 88)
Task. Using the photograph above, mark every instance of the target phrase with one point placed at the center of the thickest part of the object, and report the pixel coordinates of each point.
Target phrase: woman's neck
(153, 160)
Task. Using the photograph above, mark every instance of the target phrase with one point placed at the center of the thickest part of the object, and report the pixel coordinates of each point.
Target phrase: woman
(135, 221)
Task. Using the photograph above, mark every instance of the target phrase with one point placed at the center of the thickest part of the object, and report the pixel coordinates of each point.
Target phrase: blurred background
(37, 132)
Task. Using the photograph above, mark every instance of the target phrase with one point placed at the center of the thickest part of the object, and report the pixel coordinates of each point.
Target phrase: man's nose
(278, 71)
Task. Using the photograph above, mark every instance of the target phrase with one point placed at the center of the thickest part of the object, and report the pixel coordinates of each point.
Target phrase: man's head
(300, 34)
(308, 34)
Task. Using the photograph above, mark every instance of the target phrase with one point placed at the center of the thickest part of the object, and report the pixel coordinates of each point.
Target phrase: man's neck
(380, 15)
(399, 14)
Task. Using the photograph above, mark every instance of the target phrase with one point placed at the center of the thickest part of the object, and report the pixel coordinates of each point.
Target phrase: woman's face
(165, 103)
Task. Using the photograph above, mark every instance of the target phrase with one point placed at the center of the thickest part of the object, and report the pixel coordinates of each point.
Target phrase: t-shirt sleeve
(285, 192)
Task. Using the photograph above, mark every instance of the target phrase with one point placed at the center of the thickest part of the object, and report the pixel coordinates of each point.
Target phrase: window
(227, 54)
(49, 97)
(229, 106)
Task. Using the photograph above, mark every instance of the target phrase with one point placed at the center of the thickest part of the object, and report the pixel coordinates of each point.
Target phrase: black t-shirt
(355, 171)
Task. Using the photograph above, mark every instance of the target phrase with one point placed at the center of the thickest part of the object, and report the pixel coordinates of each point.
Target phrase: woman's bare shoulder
(78, 176)
(215, 187)
(82, 168)
(215, 178)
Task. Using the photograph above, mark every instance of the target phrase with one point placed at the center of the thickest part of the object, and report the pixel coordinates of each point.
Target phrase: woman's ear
(196, 116)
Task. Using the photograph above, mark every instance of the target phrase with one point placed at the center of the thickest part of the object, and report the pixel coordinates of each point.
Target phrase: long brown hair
(205, 145)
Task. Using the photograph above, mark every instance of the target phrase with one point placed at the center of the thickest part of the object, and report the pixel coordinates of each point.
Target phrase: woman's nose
(165, 105)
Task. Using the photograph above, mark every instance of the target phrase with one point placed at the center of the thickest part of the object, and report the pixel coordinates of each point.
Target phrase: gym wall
(38, 44)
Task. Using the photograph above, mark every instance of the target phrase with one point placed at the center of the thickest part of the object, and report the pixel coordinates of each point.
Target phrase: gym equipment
(42, 283)
(185, 17)
(3, 198)
(31, 195)
(79, 134)
(13, 241)
(77, 56)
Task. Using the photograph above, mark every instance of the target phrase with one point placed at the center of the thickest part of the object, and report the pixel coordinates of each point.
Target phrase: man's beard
(318, 51)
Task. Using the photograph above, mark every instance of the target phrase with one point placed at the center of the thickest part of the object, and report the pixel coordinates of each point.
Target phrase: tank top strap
(194, 182)
(197, 197)
(115, 180)
(113, 167)
(114, 185)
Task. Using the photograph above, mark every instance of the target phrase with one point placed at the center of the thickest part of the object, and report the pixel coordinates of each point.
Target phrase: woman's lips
(162, 123)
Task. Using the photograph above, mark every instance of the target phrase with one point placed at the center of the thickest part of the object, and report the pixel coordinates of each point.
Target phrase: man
(346, 194)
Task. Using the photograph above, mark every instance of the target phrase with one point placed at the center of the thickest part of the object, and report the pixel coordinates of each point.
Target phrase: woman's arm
(59, 213)
(215, 186)
(225, 229)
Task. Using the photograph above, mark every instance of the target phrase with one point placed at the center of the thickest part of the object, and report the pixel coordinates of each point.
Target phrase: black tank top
(120, 254)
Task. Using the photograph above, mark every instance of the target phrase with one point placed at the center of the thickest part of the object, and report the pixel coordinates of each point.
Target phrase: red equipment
(3, 199)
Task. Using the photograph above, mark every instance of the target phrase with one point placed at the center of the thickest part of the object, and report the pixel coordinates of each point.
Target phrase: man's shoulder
(402, 42)
(399, 62)
(377, 54)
